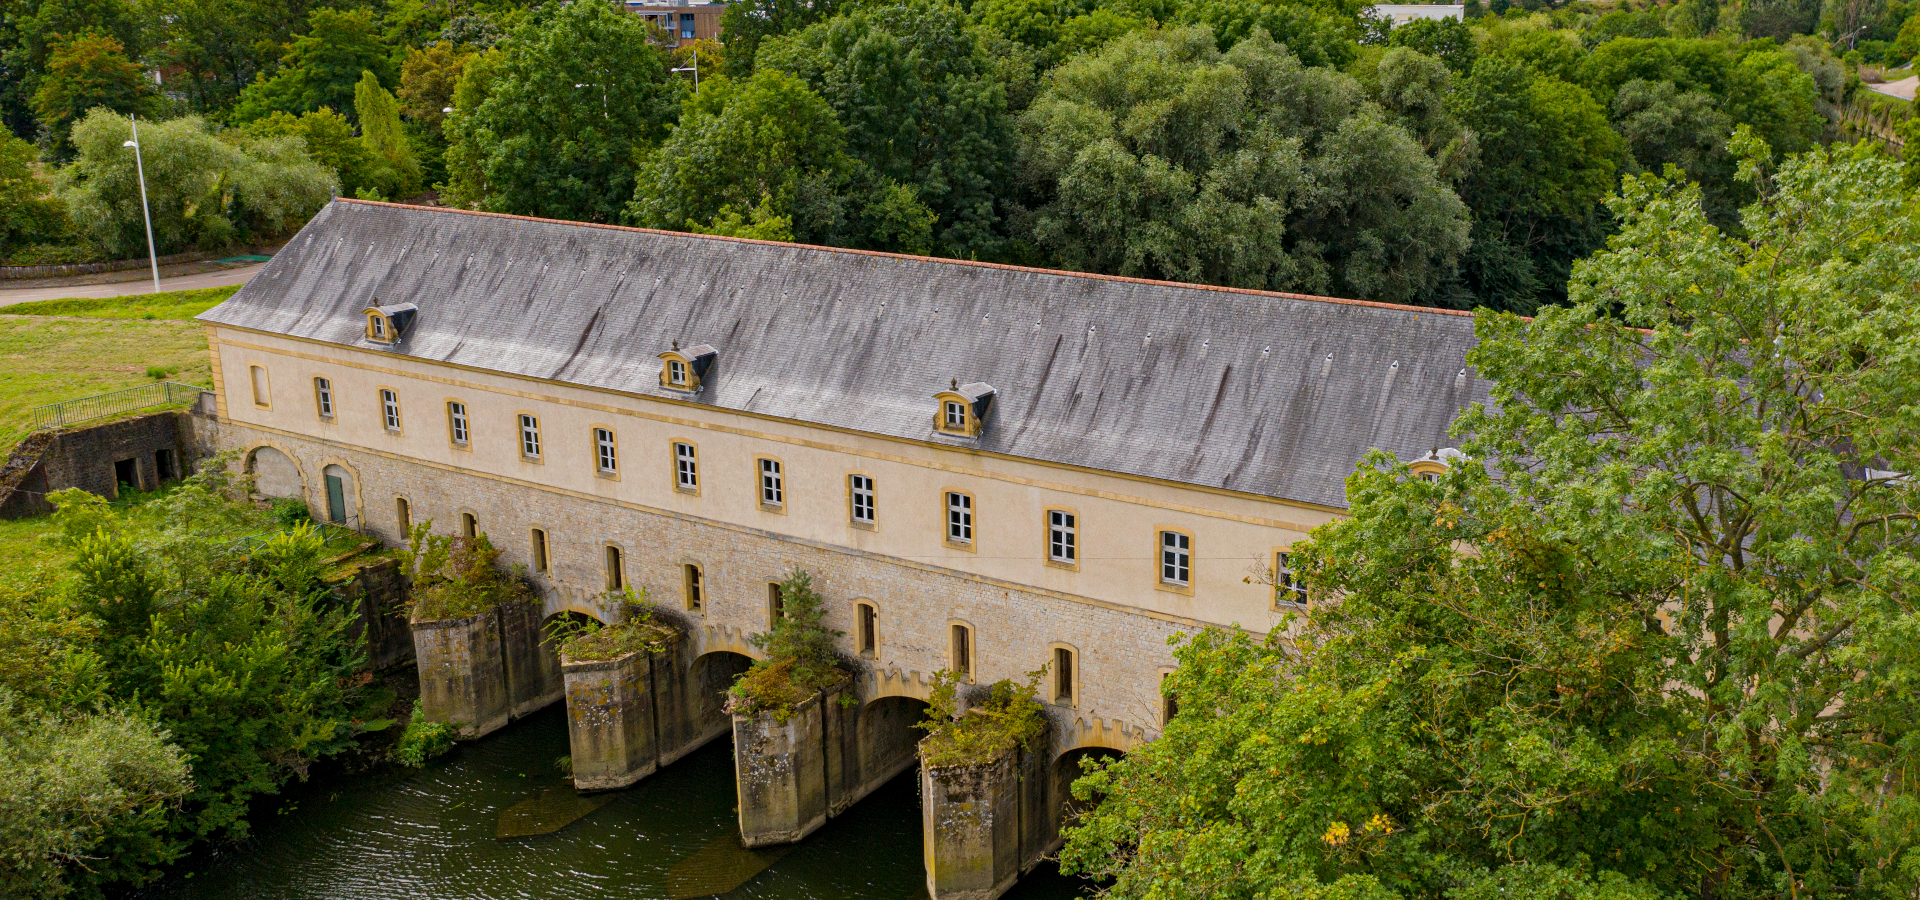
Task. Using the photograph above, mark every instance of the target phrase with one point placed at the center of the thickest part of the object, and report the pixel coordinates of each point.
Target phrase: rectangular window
(1286, 583)
(1062, 676)
(1062, 537)
(261, 395)
(538, 550)
(962, 662)
(676, 372)
(403, 514)
(379, 326)
(457, 422)
(776, 604)
(956, 414)
(686, 26)
(686, 467)
(1169, 707)
(693, 587)
(959, 518)
(861, 488)
(469, 525)
(773, 490)
(616, 571)
(323, 397)
(390, 409)
(869, 629)
(1176, 560)
(603, 440)
(529, 436)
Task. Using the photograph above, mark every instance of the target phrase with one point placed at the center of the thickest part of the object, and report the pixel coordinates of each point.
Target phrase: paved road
(220, 278)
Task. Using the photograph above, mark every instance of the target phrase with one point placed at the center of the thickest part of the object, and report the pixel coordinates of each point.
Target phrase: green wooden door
(336, 500)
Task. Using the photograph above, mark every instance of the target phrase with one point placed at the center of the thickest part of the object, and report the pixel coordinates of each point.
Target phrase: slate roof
(1266, 393)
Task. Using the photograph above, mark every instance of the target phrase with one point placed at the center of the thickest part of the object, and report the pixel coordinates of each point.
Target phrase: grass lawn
(45, 360)
(168, 305)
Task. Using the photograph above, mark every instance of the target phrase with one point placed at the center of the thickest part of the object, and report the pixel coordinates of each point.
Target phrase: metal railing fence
(99, 406)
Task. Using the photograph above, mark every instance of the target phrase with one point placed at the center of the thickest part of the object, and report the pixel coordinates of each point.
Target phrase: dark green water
(431, 834)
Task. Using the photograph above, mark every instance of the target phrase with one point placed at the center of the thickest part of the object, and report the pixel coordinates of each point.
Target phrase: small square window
(529, 436)
(860, 491)
(1176, 560)
(773, 490)
(959, 518)
(956, 415)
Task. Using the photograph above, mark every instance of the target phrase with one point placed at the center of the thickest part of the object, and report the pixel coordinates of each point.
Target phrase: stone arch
(708, 680)
(275, 472)
(349, 512)
(888, 741)
(1065, 770)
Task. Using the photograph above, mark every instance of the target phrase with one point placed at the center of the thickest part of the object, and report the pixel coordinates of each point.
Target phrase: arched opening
(712, 674)
(1067, 768)
(889, 740)
(274, 474)
(342, 496)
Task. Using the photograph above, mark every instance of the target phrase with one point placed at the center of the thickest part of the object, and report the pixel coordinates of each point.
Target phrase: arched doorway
(889, 739)
(708, 680)
(342, 496)
(1067, 768)
(274, 474)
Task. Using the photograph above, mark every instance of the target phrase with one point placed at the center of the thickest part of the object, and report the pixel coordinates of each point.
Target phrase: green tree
(1448, 40)
(213, 49)
(746, 23)
(203, 191)
(30, 32)
(913, 87)
(29, 214)
(768, 150)
(1159, 156)
(427, 79)
(398, 173)
(1313, 33)
(321, 68)
(328, 138)
(575, 96)
(1664, 125)
(1651, 637)
(91, 70)
(1547, 159)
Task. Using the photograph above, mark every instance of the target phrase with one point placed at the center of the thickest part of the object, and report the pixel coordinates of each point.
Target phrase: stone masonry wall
(84, 457)
(1121, 653)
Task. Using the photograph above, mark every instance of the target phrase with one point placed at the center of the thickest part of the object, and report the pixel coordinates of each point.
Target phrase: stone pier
(792, 775)
(463, 673)
(611, 725)
(984, 824)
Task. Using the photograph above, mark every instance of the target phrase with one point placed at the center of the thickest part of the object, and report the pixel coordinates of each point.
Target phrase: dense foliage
(455, 576)
(799, 656)
(1653, 637)
(970, 726)
(185, 660)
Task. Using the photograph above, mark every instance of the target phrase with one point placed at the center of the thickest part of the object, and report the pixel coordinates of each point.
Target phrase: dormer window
(1435, 464)
(686, 370)
(963, 408)
(388, 324)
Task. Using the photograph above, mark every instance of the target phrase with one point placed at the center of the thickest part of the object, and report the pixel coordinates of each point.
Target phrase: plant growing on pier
(581, 639)
(423, 740)
(456, 577)
(800, 657)
(1007, 717)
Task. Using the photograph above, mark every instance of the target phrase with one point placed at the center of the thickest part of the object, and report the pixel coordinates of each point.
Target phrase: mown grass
(48, 360)
(167, 305)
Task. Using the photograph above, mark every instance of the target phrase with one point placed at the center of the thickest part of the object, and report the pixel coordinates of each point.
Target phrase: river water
(435, 833)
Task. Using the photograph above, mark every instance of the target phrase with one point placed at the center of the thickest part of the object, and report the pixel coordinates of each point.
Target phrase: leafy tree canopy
(1160, 156)
(321, 67)
(90, 71)
(1666, 651)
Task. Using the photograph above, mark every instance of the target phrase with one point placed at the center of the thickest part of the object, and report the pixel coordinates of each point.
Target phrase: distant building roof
(1401, 13)
(1272, 394)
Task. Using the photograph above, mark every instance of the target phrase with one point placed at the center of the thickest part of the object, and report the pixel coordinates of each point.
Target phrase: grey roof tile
(1265, 393)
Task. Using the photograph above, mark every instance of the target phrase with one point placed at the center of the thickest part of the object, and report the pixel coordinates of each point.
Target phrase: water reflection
(435, 833)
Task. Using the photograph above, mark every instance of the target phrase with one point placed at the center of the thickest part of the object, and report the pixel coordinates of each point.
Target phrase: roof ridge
(1312, 298)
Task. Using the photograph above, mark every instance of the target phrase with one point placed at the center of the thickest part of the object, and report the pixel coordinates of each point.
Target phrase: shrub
(1007, 717)
(583, 640)
(290, 511)
(423, 740)
(801, 660)
(456, 577)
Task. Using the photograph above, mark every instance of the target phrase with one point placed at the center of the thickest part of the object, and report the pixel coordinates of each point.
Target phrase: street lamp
(695, 69)
(140, 166)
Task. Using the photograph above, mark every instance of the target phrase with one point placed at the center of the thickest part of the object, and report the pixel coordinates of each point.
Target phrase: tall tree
(29, 213)
(321, 67)
(1160, 156)
(1651, 637)
(746, 23)
(575, 95)
(385, 140)
(89, 71)
(914, 88)
(30, 31)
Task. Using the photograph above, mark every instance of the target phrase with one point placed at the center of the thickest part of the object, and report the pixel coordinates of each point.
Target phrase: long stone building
(987, 468)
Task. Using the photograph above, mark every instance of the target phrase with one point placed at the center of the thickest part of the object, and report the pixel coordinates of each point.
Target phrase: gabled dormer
(388, 324)
(962, 409)
(684, 370)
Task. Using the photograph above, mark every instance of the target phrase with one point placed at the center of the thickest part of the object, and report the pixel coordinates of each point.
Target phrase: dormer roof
(1264, 393)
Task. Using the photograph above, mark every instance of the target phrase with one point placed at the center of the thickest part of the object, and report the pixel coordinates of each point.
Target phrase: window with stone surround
(469, 526)
(529, 436)
(390, 409)
(1065, 672)
(262, 395)
(773, 485)
(867, 637)
(323, 397)
(960, 650)
(686, 467)
(860, 499)
(693, 587)
(537, 550)
(1176, 558)
(960, 519)
(457, 426)
(616, 569)
(606, 452)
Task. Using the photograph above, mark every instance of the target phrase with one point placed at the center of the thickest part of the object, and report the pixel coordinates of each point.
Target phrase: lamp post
(140, 166)
(695, 69)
